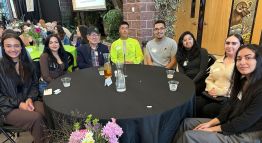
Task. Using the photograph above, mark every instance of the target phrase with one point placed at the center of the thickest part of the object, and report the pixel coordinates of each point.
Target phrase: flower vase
(38, 43)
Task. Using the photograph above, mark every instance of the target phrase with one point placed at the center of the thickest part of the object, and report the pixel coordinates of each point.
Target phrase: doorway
(209, 25)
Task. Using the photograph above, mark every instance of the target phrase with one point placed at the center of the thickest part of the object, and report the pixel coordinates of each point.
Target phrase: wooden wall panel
(216, 23)
(258, 24)
(184, 21)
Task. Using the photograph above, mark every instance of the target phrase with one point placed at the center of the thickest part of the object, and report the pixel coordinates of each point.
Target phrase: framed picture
(242, 17)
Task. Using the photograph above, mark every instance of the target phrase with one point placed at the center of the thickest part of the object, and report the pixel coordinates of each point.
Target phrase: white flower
(88, 138)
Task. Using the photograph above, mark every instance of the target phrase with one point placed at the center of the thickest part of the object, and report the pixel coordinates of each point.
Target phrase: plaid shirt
(94, 57)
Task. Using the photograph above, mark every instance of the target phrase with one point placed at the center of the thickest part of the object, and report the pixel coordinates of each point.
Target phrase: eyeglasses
(246, 58)
(159, 29)
(94, 35)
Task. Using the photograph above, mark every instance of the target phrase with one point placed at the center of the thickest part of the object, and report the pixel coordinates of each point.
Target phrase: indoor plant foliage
(94, 132)
(166, 11)
(111, 20)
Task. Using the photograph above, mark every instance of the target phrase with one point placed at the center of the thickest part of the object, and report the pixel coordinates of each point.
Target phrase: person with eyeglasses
(125, 49)
(210, 102)
(161, 51)
(91, 54)
(240, 121)
(20, 105)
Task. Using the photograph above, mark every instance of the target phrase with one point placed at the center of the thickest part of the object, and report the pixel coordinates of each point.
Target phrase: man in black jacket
(91, 55)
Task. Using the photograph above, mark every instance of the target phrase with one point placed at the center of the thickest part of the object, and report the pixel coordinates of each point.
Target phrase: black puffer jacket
(9, 96)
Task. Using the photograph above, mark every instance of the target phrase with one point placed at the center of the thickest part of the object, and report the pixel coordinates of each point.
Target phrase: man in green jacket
(125, 49)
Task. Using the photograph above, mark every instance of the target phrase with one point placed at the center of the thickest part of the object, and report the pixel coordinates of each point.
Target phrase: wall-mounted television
(88, 5)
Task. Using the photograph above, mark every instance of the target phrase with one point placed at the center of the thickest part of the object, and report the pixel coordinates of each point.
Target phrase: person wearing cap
(91, 54)
(125, 49)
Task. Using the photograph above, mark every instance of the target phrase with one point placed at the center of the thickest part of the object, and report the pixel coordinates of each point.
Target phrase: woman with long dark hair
(53, 61)
(191, 59)
(81, 32)
(19, 105)
(241, 119)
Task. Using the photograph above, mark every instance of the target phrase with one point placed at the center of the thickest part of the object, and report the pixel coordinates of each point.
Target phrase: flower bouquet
(95, 132)
(36, 33)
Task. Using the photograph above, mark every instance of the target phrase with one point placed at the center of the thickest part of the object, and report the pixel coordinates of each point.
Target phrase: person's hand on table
(129, 62)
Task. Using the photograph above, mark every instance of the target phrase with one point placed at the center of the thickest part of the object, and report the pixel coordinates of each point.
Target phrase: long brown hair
(25, 64)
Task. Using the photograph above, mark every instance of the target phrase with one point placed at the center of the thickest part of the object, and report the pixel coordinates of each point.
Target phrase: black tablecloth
(146, 86)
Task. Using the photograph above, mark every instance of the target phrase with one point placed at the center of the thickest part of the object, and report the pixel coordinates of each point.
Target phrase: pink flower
(37, 29)
(77, 136)
(112, 131)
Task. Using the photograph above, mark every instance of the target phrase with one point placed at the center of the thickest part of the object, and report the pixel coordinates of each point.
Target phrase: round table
(146, 86)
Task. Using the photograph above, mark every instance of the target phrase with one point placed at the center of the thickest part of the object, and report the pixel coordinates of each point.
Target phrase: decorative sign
(88, 5)
(29, 5)
(242, 18)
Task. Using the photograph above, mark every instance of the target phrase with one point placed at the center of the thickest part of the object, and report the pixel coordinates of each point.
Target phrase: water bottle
(120, 81)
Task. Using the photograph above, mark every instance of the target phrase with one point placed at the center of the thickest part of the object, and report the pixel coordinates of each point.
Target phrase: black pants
(209, 108)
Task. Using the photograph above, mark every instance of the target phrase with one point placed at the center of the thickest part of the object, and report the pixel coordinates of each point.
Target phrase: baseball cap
(92, 29)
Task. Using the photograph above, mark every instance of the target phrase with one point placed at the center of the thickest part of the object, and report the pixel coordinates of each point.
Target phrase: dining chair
(36, 64)
(9, 132)
(202, 84)
(70, 61)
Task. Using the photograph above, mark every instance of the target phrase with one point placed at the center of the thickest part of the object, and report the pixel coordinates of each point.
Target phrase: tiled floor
(24, 137)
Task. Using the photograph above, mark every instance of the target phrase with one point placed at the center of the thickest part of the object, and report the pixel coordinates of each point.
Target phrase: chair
(211, 61)
(9, 131)
(70, 61)
(202, 85)
(37, 67)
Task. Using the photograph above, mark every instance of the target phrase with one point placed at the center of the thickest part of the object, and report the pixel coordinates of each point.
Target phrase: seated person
(53, 61)
(81, 32)
(191, 59)
(26, 38)
(241, 119)
(19, 104)
(67, 32)
(161, 51)
(125, 49)
(218, 81)
(62, 35)
(91, 55)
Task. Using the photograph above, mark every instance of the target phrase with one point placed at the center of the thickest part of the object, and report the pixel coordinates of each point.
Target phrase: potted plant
(111, 21)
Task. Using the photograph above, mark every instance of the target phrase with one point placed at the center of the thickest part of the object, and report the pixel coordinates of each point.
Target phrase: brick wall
(140, 20)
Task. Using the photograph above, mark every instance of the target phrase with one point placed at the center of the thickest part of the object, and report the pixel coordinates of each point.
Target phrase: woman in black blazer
(191, 59)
